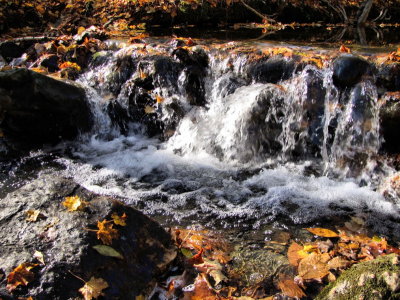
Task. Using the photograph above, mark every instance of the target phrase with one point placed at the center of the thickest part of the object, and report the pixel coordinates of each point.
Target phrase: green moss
(375, 279)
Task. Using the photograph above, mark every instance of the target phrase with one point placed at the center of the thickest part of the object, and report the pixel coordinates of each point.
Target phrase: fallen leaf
(149, 109)
(202, 290)
(69, 64)
(197, 258)
(293, 254)
(81, 29)
(338, 263)
(159, 99)
(187, 253)
(93, 288)
(32, 215)
(108, 251)
(39, 256)
(21, 275)
(119, 220)
(344, 49)
(106, 233)
(322, 232)
(290, 288)
(74, 203)
(314, 266)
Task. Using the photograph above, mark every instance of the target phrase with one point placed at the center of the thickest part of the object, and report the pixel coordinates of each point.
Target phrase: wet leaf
(149, 109)
(159, 99)
(93, 288)
(338, 263)
(108, 251)
(81, 30)
(69, 64)
(293, 254)
(202, 290)
(323, 232)
(344, 49)
(197, 258)
(314, 266)
(39, 256)
(187, 252)
(32, 215)
(119, 220)
(106, 233)
(74, 203)
(290, 288)
(21, 275)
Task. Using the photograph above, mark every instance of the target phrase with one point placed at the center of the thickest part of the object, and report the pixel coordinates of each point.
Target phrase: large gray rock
(37, 109)
(66, 240)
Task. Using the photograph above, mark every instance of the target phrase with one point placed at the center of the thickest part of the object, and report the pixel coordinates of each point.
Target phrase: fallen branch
(257, 12)
(30, 39)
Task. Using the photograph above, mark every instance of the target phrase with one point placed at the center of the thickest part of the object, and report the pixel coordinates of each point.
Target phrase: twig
(257, 12)
(30, 38)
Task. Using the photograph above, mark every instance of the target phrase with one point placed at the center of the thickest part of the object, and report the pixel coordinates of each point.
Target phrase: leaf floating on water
(108, 251)
(93, 288)
(119, 220)
(21, 275)
(32, 215)
(323, 232)
(39, 256)
(74, 203)
(106, 233)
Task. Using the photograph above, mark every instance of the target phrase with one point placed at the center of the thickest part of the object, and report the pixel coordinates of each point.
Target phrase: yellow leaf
(40, 9)
(21, 275)
(39, 256)
(81, 29)
(322, 232)
(93, 288)
(108, 251)
(106, 233)
(32, 215)
(74, 203)
(69, 64)
(119, 220)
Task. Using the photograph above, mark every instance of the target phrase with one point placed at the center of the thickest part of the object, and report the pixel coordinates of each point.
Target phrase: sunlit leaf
(289, 287)
(93, 288)
(106, 233)
(21, 275)
(32, 215)
(74, 203)
(39, 256)
(338, 263)
(314, 266)
(322, 232)
(187, 252)
(293, 254)
(119, 220)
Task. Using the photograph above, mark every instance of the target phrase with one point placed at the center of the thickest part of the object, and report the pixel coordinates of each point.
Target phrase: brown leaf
(338, 263)
(293, 254)
(344, 49)
(314, 266)
(21, 275)
(93, 288)
(119, 220)
(106, 233)
(289, 287)
(74, 203)
(202, 290)
(322, 232)
(32, 215)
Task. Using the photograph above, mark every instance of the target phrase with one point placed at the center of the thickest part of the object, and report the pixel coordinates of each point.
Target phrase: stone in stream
(388, 77)
(390, 122)
(272, 70)
(371, 280)
(10, 50)
(67, 241)
(37, 109)
(348, 70)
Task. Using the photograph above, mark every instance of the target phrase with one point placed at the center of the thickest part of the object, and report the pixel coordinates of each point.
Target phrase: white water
(226, 165)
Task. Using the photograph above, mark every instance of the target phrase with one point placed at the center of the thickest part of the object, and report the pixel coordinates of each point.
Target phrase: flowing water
(256, 155)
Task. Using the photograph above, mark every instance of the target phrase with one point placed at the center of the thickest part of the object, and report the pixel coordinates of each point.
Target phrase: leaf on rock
(314, 266)
(93, 288)
(202, 290)
(106, 233)
(74, 203)
(108, 251)
(119, 220)
(21, 275)
(69, 64)
(289, 287)
(149, 109)
(323, 232)
(32, 215)
(39, 256)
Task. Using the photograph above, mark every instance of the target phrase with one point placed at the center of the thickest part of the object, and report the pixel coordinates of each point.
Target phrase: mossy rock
(375, 279)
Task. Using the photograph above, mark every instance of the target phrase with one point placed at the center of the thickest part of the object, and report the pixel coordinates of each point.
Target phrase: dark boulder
(348, 70)
(50, 62)
(388, 78)
(389, 115)
(10, 50)
(36, 109)
(68, 242)
(272, 70)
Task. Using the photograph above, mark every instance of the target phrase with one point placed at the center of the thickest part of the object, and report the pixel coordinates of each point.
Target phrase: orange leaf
(69, 64)
(197, 258)
(293, 254)
(322, 232)
(159, 99)
(93, 288)
(344, 49)
(314, 266)
(106, 232)
(21, 275)
(290, 288)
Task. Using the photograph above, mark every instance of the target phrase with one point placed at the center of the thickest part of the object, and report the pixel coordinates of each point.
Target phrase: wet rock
(91, 33)
(375, 279)
(348, 70)
(67, 242)
(390, 122)
(50, 62)
(37, 109)
(272, 70)
(10, 50)
(388, 77)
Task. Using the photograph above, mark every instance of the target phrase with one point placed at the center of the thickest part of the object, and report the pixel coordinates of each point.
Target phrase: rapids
(259, 153)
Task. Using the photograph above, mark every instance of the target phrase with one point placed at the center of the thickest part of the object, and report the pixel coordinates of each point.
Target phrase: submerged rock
(36, 109)
(69, 244)
(272, 70)
(10, 50)
(371, 280)
(348, 70)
